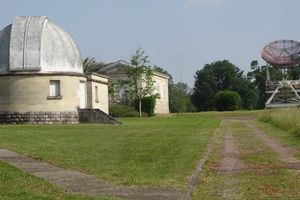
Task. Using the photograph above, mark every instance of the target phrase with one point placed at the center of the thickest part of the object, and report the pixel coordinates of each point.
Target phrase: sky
(180, 36)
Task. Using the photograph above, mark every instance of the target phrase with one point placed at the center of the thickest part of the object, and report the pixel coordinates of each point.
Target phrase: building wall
(161, 88)
(99, 101)
(30, 92)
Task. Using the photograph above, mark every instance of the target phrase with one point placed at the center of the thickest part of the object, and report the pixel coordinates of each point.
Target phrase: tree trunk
(140, 107)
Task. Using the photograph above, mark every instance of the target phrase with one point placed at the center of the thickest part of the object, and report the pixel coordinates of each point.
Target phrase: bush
(227, 100)
(148, 105)
(116, 110)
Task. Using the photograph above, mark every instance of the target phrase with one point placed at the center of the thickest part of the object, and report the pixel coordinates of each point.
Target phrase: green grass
(157, 151)
(283, 125)
(15, 185)
(264, 179)
(286, 119)
(253, 152)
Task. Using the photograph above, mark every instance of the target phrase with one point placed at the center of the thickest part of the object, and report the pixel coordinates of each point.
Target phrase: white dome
(36, 44)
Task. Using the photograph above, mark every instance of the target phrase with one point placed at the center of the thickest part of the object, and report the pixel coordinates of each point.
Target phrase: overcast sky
(178, 35)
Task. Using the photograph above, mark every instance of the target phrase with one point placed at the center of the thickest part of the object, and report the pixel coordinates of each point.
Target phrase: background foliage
(218, 76)
(227, 100)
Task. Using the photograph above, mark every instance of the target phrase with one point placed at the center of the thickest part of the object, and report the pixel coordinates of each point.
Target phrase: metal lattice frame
(284, 94)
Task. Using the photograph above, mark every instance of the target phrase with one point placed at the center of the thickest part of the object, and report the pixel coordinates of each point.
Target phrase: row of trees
(210, 80)
(179, 94)
(140, 85)
(223, 75)
(219, 76)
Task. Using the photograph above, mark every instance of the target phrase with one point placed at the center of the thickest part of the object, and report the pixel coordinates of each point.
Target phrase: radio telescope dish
(282, 53)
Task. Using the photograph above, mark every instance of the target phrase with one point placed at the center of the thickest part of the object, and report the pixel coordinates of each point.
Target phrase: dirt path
(284, 153)
(230, 161)
(229, 165)
(246, 163)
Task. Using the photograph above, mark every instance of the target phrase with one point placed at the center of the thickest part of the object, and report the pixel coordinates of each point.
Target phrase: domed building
(41, 75)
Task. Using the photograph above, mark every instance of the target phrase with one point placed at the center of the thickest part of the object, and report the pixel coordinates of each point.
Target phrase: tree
(180, 98)
(258, 77)
(140, 78)
(204, 89)
(294, 72)
(91, 66)
(221, 75)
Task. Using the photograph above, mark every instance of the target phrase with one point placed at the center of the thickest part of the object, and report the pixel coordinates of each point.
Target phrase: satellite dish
(282, 53)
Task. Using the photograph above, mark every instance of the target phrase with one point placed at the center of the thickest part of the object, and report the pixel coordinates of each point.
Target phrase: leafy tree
(180, 98)
(258, 77)
(226, 100)
(140, 78)
(217, 76)
(294, 72)
(91, 66)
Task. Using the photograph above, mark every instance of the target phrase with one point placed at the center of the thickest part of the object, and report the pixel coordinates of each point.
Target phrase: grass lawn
(287, 138)
(156, 151)
(15, 184)
(264, 177)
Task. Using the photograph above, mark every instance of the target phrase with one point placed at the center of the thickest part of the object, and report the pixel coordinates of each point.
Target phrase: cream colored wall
(162, 104)
(102, 101)
(23, 93)
(161, 87)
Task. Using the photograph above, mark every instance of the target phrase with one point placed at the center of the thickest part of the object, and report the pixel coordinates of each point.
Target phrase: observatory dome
(35, 44)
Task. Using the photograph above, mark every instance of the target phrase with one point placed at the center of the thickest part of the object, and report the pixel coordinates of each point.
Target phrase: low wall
(39, 118)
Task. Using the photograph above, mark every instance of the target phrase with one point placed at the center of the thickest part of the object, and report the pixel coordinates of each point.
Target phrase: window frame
(57, 90)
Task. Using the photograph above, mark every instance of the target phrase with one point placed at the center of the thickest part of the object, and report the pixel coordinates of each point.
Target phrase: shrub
(116, 110)
(148, 105)
(227, 100)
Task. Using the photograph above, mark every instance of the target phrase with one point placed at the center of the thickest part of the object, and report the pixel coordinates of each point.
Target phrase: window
(54, 89)
(96, 94)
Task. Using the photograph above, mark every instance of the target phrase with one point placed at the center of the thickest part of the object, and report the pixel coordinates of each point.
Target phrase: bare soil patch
(284, 153)
(230, 161)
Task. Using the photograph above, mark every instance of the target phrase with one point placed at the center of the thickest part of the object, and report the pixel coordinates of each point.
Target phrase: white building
(115, 71)
(41, 75)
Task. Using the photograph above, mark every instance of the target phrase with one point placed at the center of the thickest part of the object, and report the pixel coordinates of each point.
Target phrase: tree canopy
(140, 81)
(222, 75)
(258, 77)
(91, 66)
(180, 98)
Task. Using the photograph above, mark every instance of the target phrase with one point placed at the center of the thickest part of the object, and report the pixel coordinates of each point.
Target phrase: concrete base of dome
(39, 118)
